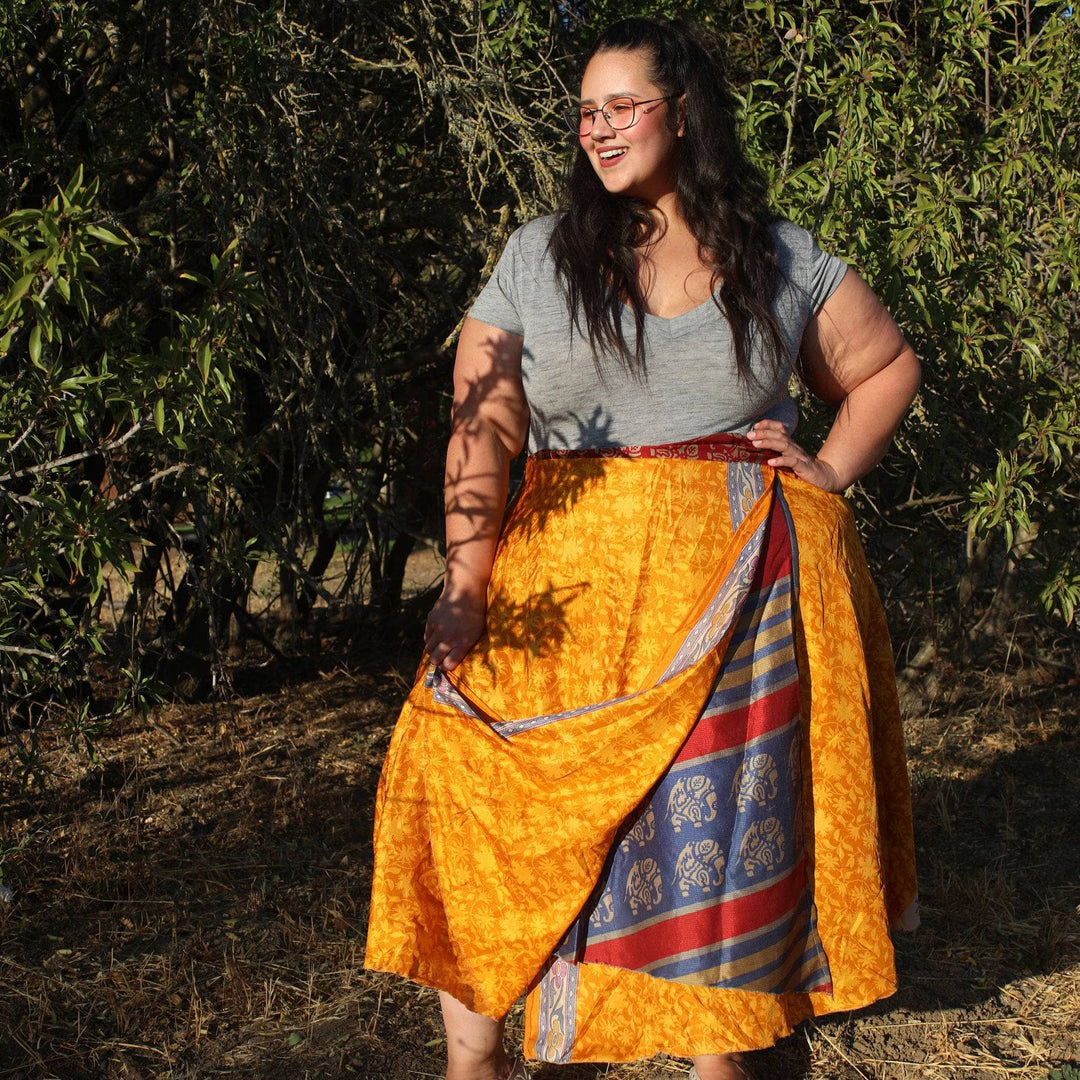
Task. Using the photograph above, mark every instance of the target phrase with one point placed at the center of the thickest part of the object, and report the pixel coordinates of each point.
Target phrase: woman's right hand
(453, 627)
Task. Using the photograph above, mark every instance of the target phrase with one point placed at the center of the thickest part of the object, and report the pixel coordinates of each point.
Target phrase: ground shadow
(197, 907)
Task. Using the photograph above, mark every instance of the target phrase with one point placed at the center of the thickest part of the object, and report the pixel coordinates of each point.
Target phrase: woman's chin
(617, 185)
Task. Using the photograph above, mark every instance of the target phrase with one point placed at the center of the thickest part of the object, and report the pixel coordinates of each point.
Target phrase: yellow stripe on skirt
(488, 847)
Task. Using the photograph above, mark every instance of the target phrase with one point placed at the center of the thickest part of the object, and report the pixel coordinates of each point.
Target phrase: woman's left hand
(772, 435)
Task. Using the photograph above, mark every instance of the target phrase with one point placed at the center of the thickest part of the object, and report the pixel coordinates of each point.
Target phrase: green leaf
(20, 289)
(204, 360)
(74, 185)
(159, 415)
(35, 345)
(19, 215)
(75, 382)
(105, 235)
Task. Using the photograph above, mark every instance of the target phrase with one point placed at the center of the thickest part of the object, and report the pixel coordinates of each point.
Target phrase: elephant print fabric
(709, 884)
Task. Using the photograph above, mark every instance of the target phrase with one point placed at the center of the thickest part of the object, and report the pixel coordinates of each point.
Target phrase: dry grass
(196, 906)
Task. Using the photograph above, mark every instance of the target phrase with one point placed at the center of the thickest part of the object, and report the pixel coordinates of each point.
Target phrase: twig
(47, 466)
(925, 500)
(23, 651)
(794, 100)
(121, 499)
(23, 437)
(29, 500)
(120, 900)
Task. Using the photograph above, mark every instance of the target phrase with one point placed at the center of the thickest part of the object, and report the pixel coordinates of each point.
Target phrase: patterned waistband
(722, 446)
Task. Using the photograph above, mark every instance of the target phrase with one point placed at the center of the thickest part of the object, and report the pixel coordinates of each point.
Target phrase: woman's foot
(720, 1067)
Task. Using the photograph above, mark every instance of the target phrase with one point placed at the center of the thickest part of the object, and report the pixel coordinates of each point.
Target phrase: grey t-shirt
(690, 387)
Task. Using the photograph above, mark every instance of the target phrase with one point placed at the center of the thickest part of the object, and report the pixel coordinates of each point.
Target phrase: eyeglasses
(620, 113)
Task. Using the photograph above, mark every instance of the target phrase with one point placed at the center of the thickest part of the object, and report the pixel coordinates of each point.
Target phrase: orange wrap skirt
(523, 792)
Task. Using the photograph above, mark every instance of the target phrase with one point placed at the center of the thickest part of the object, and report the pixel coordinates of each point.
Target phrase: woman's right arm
(489, 425)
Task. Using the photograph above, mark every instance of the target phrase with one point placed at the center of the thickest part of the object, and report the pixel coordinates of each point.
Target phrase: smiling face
(638, 161)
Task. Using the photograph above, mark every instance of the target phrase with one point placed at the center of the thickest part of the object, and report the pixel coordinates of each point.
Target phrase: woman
(653, 771)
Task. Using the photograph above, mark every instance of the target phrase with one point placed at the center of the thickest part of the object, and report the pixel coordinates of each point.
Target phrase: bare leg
(721, 1067)
(474, 1043)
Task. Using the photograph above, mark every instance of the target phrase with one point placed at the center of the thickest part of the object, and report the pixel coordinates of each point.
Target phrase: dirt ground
(195, 905)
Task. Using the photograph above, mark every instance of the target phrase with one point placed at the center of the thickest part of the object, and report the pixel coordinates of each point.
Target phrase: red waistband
(720, 447)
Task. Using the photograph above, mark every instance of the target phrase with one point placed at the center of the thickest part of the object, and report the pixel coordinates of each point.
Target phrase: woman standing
(653, 770)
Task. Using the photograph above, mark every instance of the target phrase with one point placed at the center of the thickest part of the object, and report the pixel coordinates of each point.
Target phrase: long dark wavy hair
(721, 196)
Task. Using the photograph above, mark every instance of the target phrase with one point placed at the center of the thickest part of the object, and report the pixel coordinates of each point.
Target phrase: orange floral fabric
(488, 847)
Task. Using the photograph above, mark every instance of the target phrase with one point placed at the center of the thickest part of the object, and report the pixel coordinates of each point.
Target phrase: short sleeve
(499, 302)
(825, 273)
(813, 273)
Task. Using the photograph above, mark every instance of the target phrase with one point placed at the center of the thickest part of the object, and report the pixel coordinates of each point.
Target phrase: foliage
(90, 428)
(939, 156)
(228, 399)
(271, 222)
(1065, 1072)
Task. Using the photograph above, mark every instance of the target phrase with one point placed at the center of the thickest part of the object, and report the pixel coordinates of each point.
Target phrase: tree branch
(160, 475)
(22, 651)
(71, 459)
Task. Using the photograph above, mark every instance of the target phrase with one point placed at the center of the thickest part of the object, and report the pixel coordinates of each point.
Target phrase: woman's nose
(601, 129)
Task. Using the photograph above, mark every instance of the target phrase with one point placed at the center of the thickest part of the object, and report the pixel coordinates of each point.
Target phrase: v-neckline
(671, 318)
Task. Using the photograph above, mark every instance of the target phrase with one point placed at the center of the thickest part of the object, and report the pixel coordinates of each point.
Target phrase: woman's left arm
(855, 357)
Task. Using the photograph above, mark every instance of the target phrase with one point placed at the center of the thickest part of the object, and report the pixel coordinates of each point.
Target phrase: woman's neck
(672, 275)
(665, 214)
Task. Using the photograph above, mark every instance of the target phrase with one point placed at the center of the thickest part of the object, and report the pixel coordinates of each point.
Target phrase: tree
(937, 149)
(88, 430)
